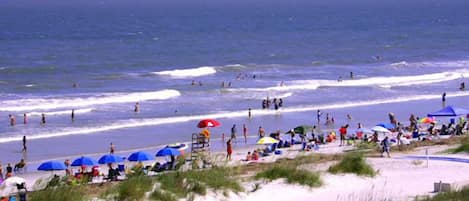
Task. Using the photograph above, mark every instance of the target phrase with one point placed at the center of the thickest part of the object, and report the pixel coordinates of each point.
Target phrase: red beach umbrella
(208, 123)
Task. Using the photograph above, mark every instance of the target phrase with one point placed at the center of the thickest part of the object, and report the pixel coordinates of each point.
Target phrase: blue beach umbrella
(52, 165)
(84, 161)
(110, 158)
(140, 156)
(168, 152)
(386, 125)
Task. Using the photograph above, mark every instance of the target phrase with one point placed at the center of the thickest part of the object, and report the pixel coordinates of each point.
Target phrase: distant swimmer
(254, 76)
(280, 102)
(282, 83)
(200, 83)
(12, 120)
(193, 82)
(351, 75)
(223, 84)
(74, 85)
(249, 113)
(137, 107)
(73, 115)
(462, 86)
(229, 84)
(339, 79)
(378, 58)
(349, 117)
(25, 118)
(43, 119)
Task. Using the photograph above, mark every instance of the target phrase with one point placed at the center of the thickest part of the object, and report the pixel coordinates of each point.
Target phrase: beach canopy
(267, 140)
(208, 123)
(449, 111)
(110, 158)
(168, 152)
(386, 125)
(52, 165)
(87, 161)
(380, 129)
(140, 156)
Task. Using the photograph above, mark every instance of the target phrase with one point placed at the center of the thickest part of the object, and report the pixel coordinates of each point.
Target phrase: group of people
(278, 103)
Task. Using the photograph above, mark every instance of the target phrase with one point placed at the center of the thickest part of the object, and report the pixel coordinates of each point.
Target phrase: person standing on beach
(349, 118)
(25, 119)
(245, 133)
(229, 149)
(24, 143)
(351, 75)
(249, 113)
(112, 148)
(280, 102)
(443, 99)
(261, 132)
(73, 115)
(43, 119)
(233, 132)
(343, 134)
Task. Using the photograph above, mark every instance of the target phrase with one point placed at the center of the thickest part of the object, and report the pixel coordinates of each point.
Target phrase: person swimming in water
(462, 86)
(43, 119)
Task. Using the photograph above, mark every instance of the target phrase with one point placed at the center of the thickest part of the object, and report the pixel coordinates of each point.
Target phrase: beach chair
(121, 167)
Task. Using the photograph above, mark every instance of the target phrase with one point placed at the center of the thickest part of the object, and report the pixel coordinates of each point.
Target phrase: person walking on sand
(385, 144)
(443, 99)
(245, 133)
(233, 132)
(24, 143)
(112, 148)
(229, 149)
(12, 120)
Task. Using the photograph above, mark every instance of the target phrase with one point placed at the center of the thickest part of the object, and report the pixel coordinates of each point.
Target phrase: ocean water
(403, 56)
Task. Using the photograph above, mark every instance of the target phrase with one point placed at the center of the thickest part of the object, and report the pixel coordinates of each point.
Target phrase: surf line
(232, 114)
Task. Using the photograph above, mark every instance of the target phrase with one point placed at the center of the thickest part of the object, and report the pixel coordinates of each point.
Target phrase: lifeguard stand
(200, 145)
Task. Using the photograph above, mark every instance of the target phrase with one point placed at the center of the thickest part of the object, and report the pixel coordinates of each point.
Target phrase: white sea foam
(387, 82)
(399, 64)
(455, 64)
(191, 72)
(62, 112)
(231, 114)
(74, 102)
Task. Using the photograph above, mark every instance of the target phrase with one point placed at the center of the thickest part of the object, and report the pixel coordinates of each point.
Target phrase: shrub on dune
(353, 163)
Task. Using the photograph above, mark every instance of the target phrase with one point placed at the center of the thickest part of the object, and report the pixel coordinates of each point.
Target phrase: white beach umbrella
(12, 181)
(380, 129)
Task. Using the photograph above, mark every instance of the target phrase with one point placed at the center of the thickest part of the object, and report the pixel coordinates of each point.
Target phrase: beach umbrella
(303, 129)
(52, 165)
(267, 140)
(110, 158)
(386, 125)
(140, 156)
(12, 181)
(168, 152)
(427, 120)
(208, 123)
(380, 129)
(87, 161)
(449, 111)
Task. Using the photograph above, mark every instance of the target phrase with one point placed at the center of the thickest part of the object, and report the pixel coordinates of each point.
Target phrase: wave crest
(191, 72)
(73, 102)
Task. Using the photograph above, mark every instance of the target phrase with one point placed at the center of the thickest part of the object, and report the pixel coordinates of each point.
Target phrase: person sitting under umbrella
(20, 165)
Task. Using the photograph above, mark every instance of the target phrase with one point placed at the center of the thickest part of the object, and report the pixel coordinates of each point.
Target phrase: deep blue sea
(403, 56)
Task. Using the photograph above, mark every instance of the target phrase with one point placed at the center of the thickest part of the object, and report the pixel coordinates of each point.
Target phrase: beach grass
(460, 195)
(159, 195)
(199, 181)
(353, 162)
(134, 188)
(292, 175)
(64, 192)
